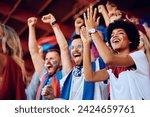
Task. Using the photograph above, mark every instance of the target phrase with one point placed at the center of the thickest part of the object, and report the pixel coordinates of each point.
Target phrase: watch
(92, 31)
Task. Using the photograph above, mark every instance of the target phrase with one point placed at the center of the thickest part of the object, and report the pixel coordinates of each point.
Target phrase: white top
(133, 84)
(76, 92)
(77, 84)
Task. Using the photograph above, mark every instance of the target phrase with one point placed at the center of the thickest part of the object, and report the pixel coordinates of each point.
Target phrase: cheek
(55, 64)
(80, 50)
(124, 37)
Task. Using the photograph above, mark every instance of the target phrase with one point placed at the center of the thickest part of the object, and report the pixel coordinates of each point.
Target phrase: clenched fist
(78, 22)
(32, 21)
(48, 92)
(49, 18)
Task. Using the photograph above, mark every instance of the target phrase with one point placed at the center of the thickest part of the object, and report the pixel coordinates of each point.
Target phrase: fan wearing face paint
(45, 83)
(73, 85)
(128, 70)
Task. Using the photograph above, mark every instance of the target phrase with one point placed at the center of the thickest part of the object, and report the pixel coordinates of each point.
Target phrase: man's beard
(56, 69)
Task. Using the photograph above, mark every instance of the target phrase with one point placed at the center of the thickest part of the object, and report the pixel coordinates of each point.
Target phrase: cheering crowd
(120, 71)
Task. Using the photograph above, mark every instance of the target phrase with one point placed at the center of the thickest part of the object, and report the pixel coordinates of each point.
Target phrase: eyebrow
(120, 30)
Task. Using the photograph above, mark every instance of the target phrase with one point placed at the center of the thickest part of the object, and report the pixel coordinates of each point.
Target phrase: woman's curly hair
(130, 29)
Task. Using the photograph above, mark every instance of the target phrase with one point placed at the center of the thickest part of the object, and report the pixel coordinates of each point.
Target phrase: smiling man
(45, 83)
(73, 85)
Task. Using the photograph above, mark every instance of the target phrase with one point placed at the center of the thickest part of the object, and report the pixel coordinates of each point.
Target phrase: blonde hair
(13, 47)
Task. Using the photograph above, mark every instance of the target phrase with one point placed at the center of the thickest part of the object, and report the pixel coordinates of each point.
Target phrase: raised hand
(78, 22)
(90, 18)
(48, 92)
(32, 21)
(101, 8)
(110, 6)
(49, 18)
(115, 15)
(85, 35)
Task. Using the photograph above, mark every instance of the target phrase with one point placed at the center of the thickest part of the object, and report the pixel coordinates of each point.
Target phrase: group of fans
(120, 71)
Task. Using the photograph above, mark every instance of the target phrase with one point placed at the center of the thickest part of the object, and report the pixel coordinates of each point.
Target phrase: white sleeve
(64, 77)
(140, 61)
(44, 71)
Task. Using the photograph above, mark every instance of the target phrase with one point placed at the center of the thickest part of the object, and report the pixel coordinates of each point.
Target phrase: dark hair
(51, 50)
(54, 49)
(76, 36)
(129, 28)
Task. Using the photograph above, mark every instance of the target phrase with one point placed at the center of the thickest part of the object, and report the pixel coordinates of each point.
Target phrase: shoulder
(43, 74)
(139, 57)
(140, 60)
(137, 54)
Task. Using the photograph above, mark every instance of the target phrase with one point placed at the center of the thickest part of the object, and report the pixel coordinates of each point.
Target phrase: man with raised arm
(46, 85)
(74, 87)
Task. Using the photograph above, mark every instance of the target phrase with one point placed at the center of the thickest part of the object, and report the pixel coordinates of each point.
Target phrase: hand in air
(32, 21)
(49, 18)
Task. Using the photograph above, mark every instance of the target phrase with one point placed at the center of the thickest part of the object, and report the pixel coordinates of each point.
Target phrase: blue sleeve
(101, 63)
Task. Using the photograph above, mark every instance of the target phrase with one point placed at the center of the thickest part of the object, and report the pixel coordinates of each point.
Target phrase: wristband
(53, 23)
(92, 31)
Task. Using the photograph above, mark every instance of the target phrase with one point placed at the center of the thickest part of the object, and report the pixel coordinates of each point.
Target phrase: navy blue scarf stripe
(102, 65)
(89, 87)
(65, 93)
(88, 93)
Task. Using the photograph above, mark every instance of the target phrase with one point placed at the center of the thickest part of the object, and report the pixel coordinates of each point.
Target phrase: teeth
(116, 40)
(48, 66)
(76, 55)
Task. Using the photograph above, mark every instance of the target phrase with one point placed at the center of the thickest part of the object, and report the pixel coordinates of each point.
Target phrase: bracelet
(53, 23)
(92, 31)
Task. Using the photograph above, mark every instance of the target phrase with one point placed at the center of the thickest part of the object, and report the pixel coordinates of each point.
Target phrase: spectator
(48, 71)
(73, 85)
(129, 71)
(12, 69)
